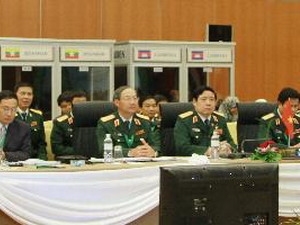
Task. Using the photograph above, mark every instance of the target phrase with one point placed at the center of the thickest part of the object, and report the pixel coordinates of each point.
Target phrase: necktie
(207, 124)
(2, 136)
(127, 124)
(24, 115)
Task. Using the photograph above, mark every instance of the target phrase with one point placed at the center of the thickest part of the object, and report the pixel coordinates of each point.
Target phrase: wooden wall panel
(185, 20)
(249, 31)
(265, 32)
(71, 19)
(131, 19)
(282, 45)
(20, 18)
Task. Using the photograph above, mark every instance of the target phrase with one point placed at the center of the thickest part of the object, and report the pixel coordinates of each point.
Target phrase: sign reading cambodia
(209, 55)
(157, 54)
(26, 53)
(85, 53)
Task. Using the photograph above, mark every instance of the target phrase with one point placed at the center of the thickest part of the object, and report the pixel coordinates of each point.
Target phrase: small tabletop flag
(287, 118)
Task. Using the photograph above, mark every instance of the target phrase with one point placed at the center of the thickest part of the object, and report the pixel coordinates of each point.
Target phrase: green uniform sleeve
(42, 152)
(183, 140)
(100, 132)
(61, 139)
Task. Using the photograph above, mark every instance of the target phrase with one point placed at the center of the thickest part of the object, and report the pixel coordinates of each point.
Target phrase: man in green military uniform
(62, 130)
(33, 117)
(272, 126)
(127, 128)
(193, 129)
(148, 107)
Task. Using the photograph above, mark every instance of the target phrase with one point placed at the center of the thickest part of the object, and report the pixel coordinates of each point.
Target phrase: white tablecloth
(104, 196)
(289, 189)
(87, 197)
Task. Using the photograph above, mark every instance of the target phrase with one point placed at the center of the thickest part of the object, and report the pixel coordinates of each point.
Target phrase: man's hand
(225, 148)
(144, 150)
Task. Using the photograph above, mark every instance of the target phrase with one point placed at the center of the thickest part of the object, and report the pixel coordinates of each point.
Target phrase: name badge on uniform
(197, 130)
(277, 131)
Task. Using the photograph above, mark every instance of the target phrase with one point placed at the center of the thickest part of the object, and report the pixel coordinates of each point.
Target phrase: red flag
(287, 118)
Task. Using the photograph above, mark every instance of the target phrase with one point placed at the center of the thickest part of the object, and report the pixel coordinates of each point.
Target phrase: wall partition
(211, 63)
(53, 66)
(174, 68)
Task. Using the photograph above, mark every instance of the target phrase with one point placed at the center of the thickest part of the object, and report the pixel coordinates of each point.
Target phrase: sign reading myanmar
(85, 53)
(26, 53)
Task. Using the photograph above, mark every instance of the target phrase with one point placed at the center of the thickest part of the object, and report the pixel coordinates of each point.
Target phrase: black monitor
(219, 194)
(217, 32)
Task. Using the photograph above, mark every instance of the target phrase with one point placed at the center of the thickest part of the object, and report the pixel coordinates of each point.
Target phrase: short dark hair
(287, 93)
(79, 94)
(161, 98)
(201, 89)
(66, 96)
(118, 92)
(146, 97)
(22, 84)
(7, 94)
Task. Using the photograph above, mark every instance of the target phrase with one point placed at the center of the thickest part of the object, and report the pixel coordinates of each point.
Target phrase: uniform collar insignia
(137, 121)
(195, 119)
(277, 121)
(295, 121)
(215, 118)
(70, 120)
(117, 122)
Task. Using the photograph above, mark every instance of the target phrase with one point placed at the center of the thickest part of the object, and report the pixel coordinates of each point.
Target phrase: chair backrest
(249, 114)
(169, 113)
(86, 116)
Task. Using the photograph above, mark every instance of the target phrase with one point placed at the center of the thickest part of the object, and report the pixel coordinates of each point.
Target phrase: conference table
(98, 193)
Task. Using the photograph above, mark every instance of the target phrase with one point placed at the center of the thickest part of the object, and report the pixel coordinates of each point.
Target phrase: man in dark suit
(15, 139)
(127, 128)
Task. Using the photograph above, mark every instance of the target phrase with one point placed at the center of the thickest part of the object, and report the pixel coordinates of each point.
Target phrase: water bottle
(215, 145)
(108, 149)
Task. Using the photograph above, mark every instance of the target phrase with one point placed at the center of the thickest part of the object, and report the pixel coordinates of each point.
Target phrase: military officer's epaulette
(268, 116)
(142, 116)
(186, 114)
(107, 118)
(62, 118)
(218, 113)
(36, 111)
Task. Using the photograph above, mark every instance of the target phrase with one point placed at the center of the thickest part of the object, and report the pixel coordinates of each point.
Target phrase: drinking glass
(2, 161)
(118, 153)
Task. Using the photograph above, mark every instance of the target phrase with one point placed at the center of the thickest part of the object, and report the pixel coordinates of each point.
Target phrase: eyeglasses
(129, 98)
(23, 93)
(7, 110)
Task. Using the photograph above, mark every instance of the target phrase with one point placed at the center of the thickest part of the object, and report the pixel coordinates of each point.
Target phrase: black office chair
(86, 116)
(169, 113)
(249, 114)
